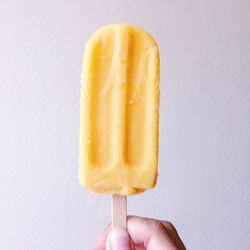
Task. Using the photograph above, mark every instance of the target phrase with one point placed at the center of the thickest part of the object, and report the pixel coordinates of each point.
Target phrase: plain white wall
(203, 187)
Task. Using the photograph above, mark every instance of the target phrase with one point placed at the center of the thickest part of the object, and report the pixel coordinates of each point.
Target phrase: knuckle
(168, 225)
(157, 226)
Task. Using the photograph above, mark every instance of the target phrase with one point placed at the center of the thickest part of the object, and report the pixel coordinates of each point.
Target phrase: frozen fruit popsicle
(119, 111)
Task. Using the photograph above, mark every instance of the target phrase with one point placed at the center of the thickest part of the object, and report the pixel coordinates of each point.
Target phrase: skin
(146, 234)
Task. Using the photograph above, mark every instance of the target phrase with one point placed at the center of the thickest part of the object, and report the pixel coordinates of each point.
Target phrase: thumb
(120, 240)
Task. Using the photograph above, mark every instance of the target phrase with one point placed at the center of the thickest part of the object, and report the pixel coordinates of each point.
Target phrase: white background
(204, 166)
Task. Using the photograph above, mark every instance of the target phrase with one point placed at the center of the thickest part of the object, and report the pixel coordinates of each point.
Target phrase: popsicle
(119, 111)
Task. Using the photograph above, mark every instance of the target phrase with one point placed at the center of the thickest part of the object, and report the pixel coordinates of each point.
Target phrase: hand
(144, 234)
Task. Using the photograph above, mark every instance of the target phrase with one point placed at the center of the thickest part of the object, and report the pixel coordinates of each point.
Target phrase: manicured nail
(120, 240)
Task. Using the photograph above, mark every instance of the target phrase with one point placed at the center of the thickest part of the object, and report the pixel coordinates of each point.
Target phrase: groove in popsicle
(119, 94)
(135, 112)
(152, 95)
(100, 103)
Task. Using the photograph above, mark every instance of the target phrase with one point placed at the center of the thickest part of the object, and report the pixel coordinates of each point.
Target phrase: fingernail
(120, 240)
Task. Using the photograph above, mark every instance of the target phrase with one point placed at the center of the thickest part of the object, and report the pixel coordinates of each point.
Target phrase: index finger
(150, 234)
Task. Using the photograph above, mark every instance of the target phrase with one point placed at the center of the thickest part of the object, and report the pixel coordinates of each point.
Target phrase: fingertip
(119, 239)
(100, 243)
(108, 243)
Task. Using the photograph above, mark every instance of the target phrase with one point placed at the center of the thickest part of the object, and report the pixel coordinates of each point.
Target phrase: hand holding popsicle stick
(145, 234)
(119, 117)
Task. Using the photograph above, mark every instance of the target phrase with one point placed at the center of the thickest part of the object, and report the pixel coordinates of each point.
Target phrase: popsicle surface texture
(119, 111)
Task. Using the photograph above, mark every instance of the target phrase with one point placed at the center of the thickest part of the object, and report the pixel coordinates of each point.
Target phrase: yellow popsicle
(119, 111)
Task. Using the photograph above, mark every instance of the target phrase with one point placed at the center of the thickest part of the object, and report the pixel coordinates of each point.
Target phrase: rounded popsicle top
(114, 28)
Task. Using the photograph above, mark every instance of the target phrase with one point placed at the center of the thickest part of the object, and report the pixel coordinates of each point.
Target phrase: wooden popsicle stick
(119, 214)
(119, 211)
